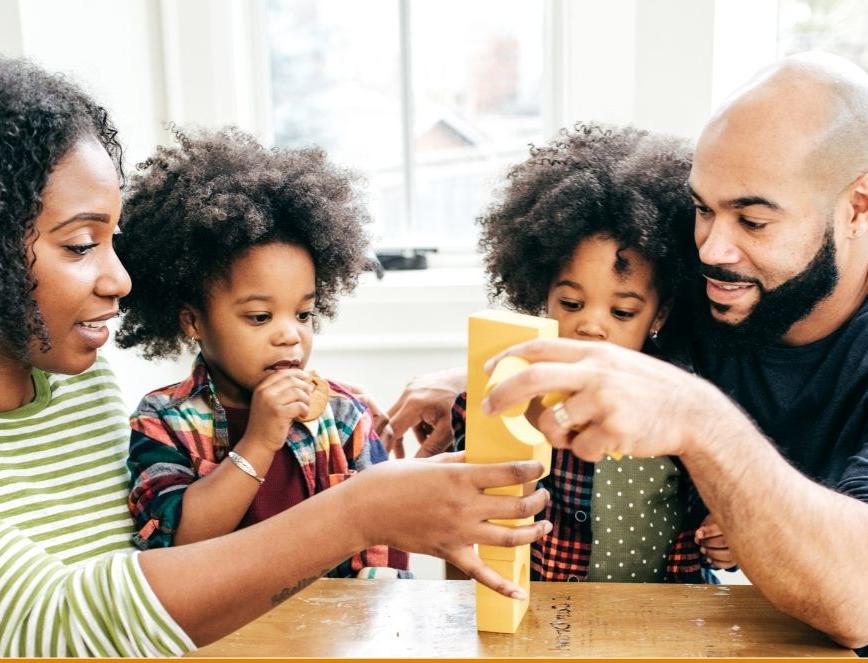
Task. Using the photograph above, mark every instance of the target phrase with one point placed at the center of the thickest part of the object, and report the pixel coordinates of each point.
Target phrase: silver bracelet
(244, 465)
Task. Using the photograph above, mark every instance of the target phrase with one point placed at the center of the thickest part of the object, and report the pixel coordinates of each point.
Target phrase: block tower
(502, 438)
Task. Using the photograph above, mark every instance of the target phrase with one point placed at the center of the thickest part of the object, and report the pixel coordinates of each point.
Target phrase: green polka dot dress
(635, 517)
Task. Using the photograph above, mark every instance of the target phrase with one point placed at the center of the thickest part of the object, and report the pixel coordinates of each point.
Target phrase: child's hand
(713, 544)
(281, 397)
(426, 407)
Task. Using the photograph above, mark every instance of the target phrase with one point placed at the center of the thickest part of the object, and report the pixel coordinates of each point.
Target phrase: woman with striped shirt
(70, 583)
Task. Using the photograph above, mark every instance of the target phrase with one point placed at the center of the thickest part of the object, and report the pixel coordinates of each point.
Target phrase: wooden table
(436, 618)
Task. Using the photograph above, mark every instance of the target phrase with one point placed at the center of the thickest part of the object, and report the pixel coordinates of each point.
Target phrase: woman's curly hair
(623, 183)
(42, 116)
(194, 208)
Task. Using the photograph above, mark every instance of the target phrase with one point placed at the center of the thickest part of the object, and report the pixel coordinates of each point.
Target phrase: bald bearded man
(781, 193)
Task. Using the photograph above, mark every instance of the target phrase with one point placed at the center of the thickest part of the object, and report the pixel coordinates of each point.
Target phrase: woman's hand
(437, 506)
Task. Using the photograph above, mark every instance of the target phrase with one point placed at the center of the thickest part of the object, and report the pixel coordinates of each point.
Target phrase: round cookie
(319, 397)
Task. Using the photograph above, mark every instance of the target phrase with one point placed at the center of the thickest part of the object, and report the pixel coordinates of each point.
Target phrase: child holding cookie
(236, 249)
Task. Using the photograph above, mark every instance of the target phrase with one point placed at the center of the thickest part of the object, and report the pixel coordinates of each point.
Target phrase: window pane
(476, 82)
(335, 76)
(837, 26)
(477, 87)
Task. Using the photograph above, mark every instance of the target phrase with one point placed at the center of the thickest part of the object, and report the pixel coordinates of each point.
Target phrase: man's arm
(803, 545)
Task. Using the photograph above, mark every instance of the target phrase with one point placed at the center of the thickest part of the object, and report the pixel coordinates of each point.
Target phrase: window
(430, 101)
(836, 26)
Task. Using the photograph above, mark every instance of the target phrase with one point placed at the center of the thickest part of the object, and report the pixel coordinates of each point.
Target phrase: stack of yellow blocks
(502, 438)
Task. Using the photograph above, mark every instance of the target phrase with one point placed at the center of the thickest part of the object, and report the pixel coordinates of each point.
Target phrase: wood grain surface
(436, 618)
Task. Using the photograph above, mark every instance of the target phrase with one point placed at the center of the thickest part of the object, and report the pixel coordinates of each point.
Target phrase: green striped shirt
(70, 581)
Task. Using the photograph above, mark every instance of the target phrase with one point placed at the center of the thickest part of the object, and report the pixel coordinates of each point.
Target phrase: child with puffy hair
(586, 232)
(237, 250)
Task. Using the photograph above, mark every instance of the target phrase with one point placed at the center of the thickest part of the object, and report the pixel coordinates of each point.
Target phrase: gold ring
(561, 416)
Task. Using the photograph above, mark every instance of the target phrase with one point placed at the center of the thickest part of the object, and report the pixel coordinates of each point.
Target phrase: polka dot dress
(635, 516)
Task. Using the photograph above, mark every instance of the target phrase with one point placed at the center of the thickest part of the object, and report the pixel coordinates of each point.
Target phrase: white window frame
(218, 73)
(619, 61)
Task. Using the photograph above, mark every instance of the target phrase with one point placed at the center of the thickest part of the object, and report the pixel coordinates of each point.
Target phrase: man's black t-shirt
(811, 400)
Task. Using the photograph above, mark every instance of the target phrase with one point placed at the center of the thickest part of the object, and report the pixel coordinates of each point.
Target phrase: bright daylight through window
(430, 101)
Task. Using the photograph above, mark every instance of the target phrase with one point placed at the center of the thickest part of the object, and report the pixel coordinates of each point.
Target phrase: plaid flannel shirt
(564, 553)
(180, 434)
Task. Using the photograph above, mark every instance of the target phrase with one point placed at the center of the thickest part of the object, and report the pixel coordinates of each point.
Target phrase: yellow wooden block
(497, 439)
(496, 552)
(499, 552)
(496, 613)
(554, 398)
(513, 522)
(516, 490)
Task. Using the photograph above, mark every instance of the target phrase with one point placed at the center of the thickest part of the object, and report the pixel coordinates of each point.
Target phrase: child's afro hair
(194, 208)
(622, 183)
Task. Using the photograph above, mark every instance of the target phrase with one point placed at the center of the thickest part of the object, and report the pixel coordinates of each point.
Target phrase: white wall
(745, 39)
(10, 28)
(662, 65)
(215, 63)
(112, 49)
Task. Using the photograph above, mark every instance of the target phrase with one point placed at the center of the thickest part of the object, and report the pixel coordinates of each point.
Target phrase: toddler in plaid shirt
(235, 250)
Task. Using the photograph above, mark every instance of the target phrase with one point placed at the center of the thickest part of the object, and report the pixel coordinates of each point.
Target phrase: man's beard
(777, 310)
